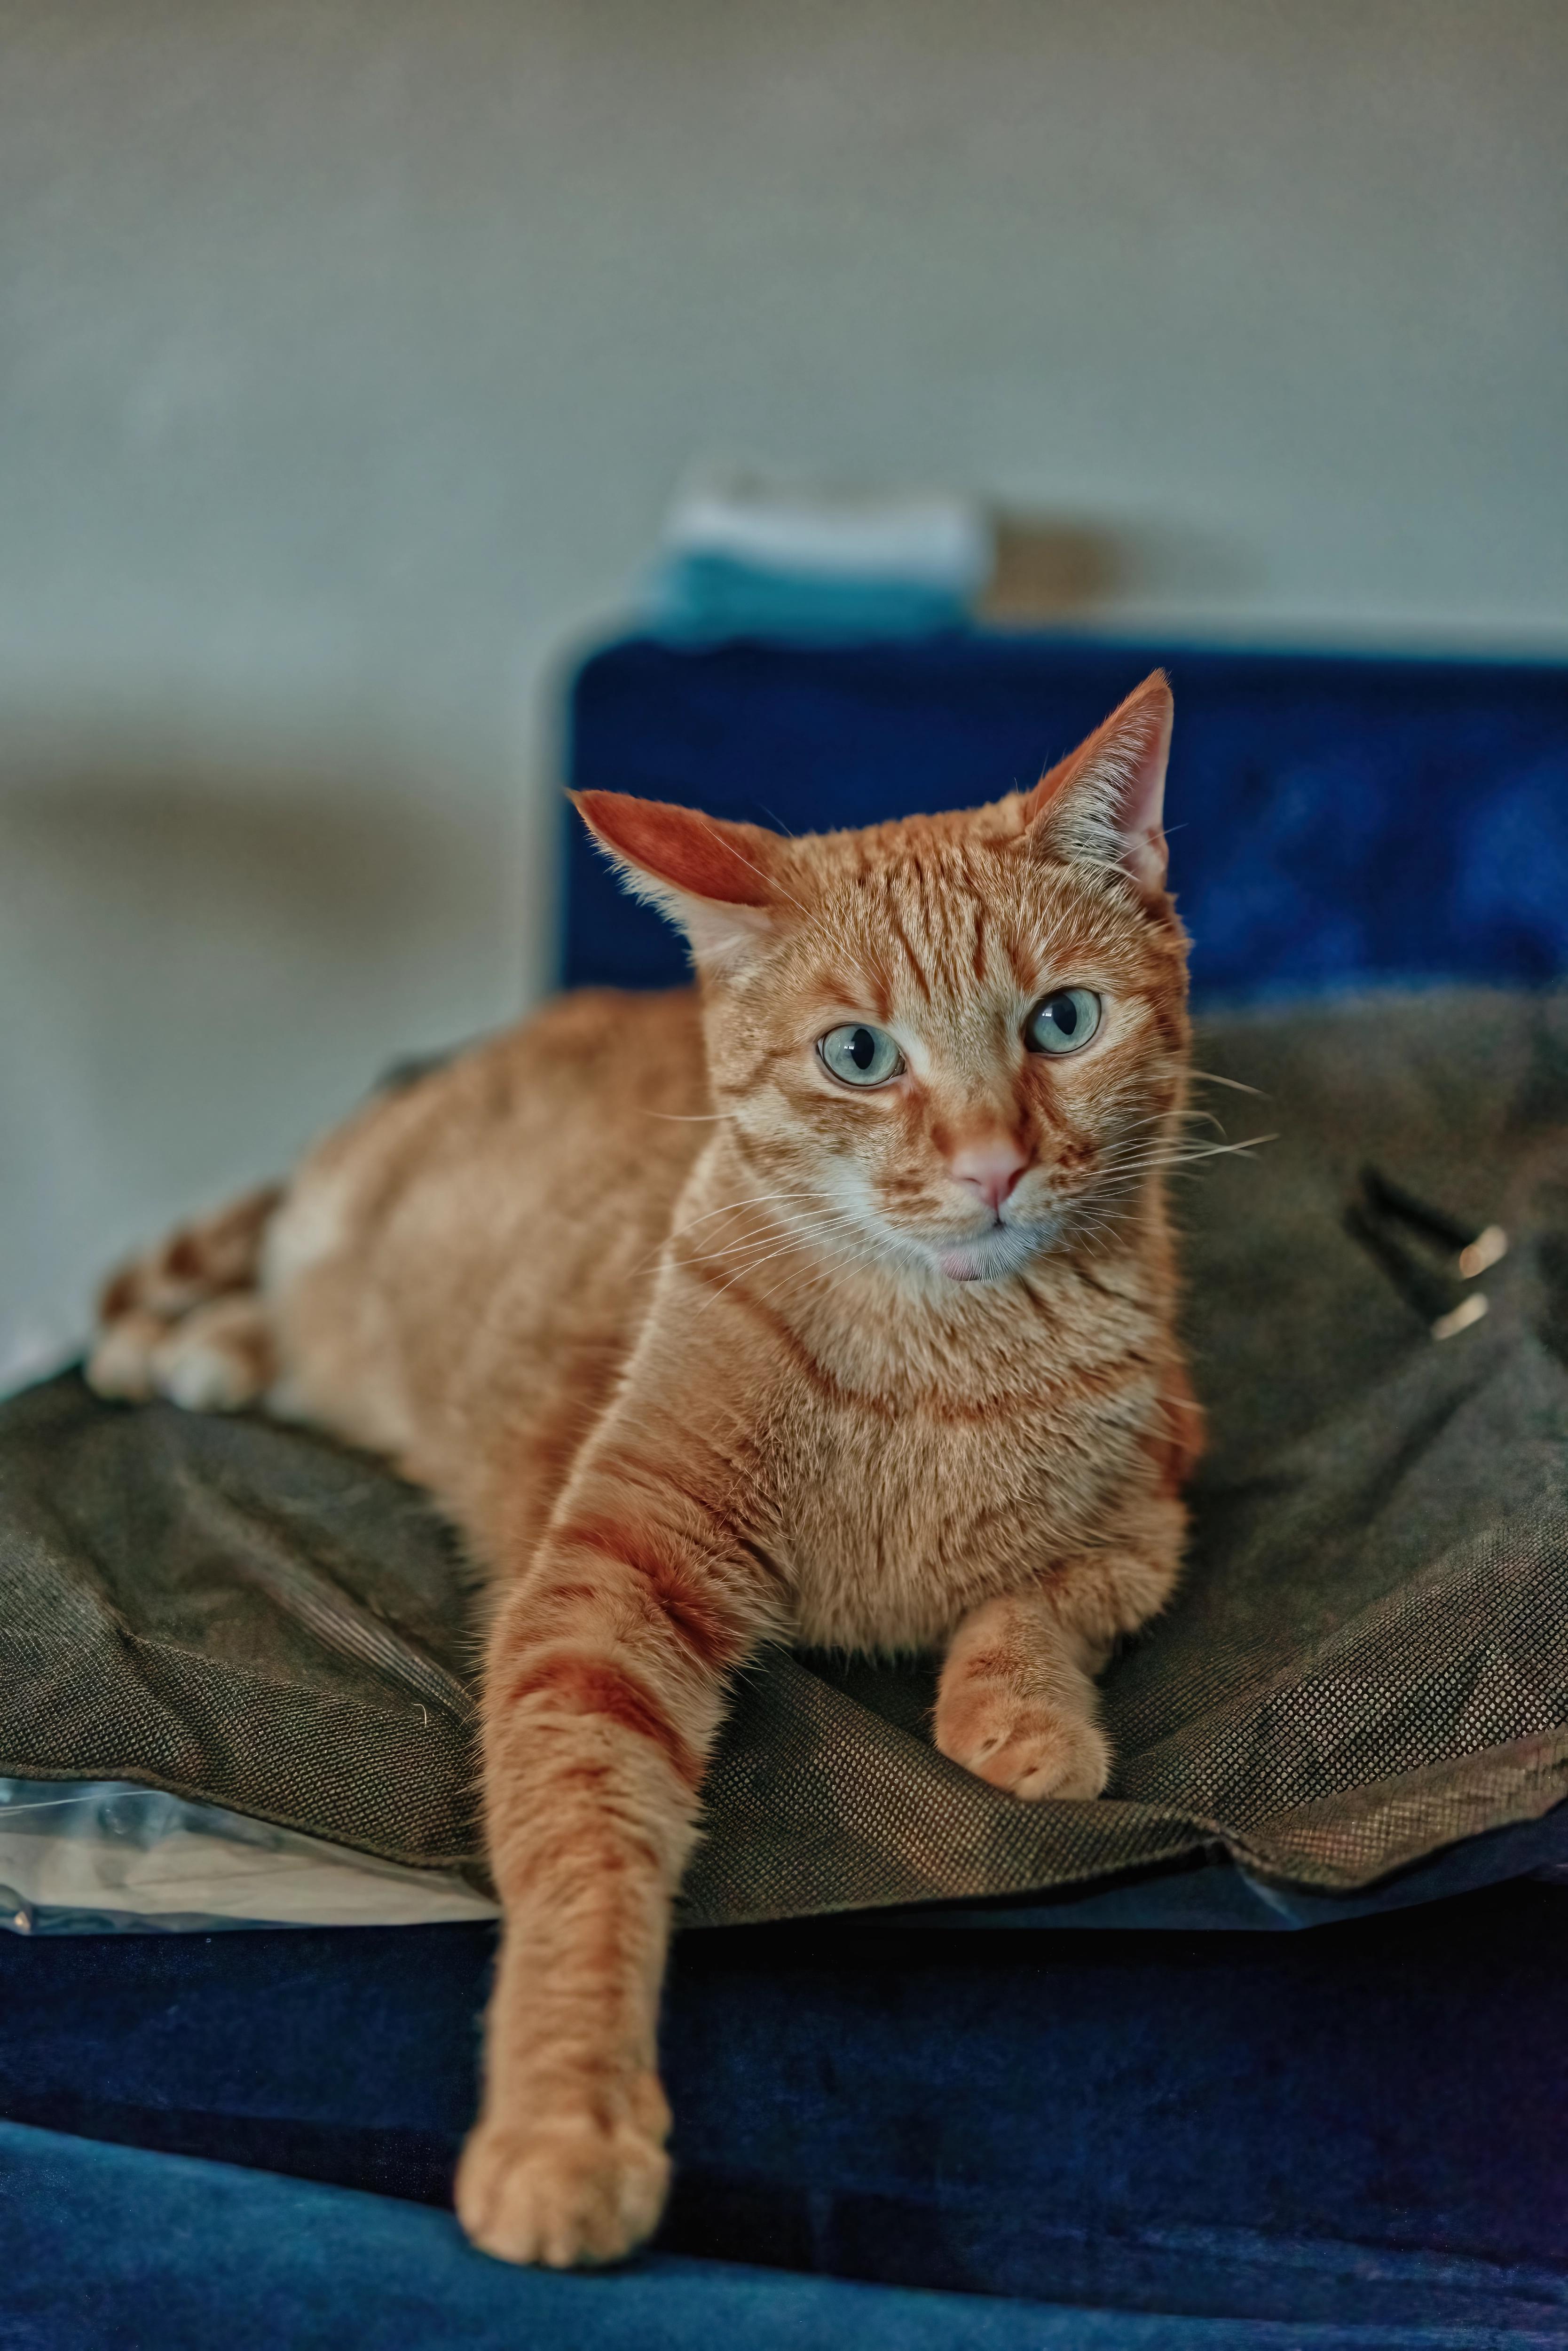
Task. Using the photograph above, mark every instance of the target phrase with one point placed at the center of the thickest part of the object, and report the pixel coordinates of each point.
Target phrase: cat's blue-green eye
(1064, 1022)
(859, 1054)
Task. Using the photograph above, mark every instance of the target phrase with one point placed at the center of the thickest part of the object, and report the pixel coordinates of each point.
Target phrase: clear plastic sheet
(106, 1856)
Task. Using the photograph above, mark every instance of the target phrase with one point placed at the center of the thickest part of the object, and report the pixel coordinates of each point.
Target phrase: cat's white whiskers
(751, 1200)
(1183, 1158)
(1122, 1171)
(1132, 1126)
(822, 1228)
(853, 1256)
(729, 1207)
(741, 1271)
(1213, 1078)
(778, 1211)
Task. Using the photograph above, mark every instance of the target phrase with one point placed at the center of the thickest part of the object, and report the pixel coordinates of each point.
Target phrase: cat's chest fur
(922, 1478)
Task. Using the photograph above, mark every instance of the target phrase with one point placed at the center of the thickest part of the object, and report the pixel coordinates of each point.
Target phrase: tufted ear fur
(720, 882)
(1104, 803)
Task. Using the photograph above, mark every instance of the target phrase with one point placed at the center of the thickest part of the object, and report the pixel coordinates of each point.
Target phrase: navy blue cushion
(1332, 820)
(1361, 2123)
(107, 2245)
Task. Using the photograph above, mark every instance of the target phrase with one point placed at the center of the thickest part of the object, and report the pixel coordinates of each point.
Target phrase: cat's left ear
(721, 882)
(1104, 803)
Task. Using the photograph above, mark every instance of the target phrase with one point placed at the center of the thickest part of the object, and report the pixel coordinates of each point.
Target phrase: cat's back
(480, 1240)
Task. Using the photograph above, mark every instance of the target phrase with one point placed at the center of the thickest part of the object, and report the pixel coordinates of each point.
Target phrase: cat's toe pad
(1030, 1747)
(218, 1359)
(563, 2193)
(121, 1364)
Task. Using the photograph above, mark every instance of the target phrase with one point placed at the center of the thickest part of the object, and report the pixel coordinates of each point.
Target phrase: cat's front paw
(565, 2190)
(1029, 1746)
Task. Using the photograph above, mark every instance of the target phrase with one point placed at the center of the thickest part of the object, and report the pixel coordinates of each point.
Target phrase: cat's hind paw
(218, 1358)
(564, 2192)
(187, 1319)
(121, 1364)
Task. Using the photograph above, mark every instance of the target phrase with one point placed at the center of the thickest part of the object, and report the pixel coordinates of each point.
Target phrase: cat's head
(955, 1041)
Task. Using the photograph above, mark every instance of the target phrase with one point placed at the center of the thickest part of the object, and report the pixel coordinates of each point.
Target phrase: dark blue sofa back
(1335, 820)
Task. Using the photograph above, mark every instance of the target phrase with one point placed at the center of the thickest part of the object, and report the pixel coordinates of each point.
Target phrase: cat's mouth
(964, 1265)
(991, 1255)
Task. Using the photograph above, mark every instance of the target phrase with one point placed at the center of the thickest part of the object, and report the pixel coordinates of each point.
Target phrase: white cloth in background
(747, 554)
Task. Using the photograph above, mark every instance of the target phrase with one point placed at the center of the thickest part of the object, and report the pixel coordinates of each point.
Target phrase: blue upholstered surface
(110, 2249)
(1363, 2124)
(1350, 2135)
(1332, 820)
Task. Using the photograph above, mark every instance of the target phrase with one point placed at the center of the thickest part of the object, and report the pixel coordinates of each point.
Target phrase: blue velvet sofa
(889, 2132)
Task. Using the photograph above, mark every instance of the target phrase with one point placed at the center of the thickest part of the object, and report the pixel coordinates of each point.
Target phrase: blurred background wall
(349, 349)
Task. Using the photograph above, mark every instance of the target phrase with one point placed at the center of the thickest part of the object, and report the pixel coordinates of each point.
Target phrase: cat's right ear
(720, 882)
(1104, 804)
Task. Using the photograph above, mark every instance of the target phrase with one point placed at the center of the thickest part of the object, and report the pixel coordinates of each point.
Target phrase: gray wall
(348, 347)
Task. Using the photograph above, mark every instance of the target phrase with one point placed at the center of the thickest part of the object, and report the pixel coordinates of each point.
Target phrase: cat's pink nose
(991, 1169)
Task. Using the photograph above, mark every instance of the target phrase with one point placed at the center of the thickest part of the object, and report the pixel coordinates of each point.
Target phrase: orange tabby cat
(830, 1302)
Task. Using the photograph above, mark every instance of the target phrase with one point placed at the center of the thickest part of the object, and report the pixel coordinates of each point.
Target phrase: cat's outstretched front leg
(607, 1675)
(1017, 1703)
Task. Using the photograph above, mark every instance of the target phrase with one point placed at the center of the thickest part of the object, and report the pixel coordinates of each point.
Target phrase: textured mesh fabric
(1368, 1661)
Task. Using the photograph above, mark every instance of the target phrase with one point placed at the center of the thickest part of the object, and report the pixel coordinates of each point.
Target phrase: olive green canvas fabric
(1368, 1661)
